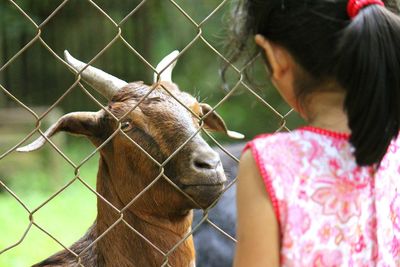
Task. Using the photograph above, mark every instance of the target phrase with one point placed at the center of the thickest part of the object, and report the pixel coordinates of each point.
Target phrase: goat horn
(38, 143)
(104, 83)
(165, 67)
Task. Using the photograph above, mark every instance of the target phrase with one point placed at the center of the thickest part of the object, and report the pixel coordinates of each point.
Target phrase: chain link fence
(118, 25)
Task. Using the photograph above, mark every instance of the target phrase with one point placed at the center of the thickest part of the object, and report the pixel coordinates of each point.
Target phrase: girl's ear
(278, 57)
(283, 69)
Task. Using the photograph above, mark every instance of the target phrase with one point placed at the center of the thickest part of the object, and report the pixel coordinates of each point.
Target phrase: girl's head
(360, 54)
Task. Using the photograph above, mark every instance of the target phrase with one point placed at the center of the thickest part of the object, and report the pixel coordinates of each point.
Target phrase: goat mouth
(203, 194)
(206, 185)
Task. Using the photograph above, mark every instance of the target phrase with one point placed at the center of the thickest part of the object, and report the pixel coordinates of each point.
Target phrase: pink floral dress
(331, 212)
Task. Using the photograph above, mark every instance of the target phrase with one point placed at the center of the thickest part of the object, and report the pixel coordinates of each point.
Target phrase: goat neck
(121, 245)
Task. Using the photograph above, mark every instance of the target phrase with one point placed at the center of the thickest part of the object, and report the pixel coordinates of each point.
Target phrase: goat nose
(205, 164)
(206, 161)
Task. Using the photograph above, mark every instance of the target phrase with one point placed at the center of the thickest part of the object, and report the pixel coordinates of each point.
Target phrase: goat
(192, 178)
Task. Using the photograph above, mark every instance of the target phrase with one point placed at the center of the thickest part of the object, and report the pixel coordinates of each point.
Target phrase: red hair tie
(354, 6)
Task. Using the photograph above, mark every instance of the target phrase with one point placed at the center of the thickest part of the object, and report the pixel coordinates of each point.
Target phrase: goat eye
(200, 122)
(126, 126)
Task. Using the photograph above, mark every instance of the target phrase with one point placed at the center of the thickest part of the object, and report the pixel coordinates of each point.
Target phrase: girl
(327, 194)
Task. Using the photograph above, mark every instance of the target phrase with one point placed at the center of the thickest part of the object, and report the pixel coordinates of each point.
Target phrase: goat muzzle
(204, 195)
(205, 177)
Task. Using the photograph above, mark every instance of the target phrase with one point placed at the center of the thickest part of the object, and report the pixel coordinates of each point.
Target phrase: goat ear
(214, 122)
(80, 123)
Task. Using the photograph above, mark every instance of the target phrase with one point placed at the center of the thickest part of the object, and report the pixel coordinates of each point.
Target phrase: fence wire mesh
(39, 117)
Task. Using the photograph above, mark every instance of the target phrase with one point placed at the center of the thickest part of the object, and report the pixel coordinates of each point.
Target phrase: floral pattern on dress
(327, 258)
(338, 197)
(330, 211)
(287, 168)
(395, 212)
(299, 221)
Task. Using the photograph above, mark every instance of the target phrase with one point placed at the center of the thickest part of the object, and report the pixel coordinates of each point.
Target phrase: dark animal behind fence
(213, 248)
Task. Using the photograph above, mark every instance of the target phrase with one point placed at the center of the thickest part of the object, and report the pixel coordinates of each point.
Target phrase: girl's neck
(326, 110)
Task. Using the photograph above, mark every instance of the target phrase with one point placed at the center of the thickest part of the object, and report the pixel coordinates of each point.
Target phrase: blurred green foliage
(66, 217)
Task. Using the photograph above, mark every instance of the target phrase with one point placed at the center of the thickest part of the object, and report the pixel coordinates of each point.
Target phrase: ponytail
(369, 69)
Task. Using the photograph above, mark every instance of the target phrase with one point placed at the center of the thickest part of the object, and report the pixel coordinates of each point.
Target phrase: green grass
(66, 217)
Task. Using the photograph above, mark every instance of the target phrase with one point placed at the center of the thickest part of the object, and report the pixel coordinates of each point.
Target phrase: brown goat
(162, 214)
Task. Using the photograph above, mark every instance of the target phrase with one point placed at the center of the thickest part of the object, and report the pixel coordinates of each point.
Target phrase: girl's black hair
(361, 54)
